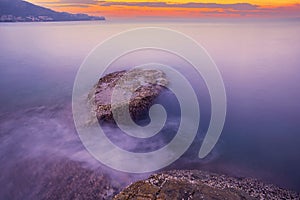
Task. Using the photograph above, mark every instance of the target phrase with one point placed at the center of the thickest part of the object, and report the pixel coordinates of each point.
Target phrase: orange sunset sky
(175, 8)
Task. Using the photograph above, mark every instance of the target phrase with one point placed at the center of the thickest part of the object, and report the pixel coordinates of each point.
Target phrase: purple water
(259, 63)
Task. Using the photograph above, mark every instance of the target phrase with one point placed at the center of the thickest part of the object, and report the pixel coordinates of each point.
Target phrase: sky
(178, 9)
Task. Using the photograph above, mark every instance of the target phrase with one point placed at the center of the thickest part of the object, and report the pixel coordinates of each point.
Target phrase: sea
(259, 62)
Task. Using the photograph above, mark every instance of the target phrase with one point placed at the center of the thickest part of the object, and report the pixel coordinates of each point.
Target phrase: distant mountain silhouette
(18, 10)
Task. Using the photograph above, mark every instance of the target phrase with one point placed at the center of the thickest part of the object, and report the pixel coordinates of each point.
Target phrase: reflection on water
(258, 61)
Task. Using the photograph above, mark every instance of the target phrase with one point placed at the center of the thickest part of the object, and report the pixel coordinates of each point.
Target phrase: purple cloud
(237, 6)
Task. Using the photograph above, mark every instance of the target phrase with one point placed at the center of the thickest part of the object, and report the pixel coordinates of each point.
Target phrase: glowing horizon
(174, 8)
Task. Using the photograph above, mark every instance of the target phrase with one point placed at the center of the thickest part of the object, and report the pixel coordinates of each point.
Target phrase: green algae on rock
(195, 184)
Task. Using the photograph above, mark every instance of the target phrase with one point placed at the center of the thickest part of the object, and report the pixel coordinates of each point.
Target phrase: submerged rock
(53, 178)
(143, 86)
(194, 184)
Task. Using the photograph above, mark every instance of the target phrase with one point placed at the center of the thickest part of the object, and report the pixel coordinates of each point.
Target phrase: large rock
(194, 184)
(147, 85)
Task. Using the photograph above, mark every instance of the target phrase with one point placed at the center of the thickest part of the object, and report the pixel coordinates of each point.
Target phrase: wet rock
(194, 184)
(143, 86)
(71, 180)
(59, 178)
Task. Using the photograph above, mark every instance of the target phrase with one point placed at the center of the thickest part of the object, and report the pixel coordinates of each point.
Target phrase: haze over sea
(259, 63)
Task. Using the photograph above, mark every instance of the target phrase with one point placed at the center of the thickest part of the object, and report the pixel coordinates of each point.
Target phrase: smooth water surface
(259, 63)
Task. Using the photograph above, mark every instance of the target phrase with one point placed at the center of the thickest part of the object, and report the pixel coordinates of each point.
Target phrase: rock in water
(143, 86)
(195, 184)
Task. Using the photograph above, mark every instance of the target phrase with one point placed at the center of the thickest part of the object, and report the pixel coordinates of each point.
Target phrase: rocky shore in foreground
(194, 184)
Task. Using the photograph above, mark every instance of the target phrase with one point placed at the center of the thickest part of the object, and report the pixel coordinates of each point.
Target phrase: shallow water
(259, 63)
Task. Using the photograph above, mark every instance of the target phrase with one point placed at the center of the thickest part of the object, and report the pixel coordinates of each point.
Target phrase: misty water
(259, 63)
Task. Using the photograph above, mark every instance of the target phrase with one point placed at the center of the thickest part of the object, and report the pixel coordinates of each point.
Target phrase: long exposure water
(259, 63)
